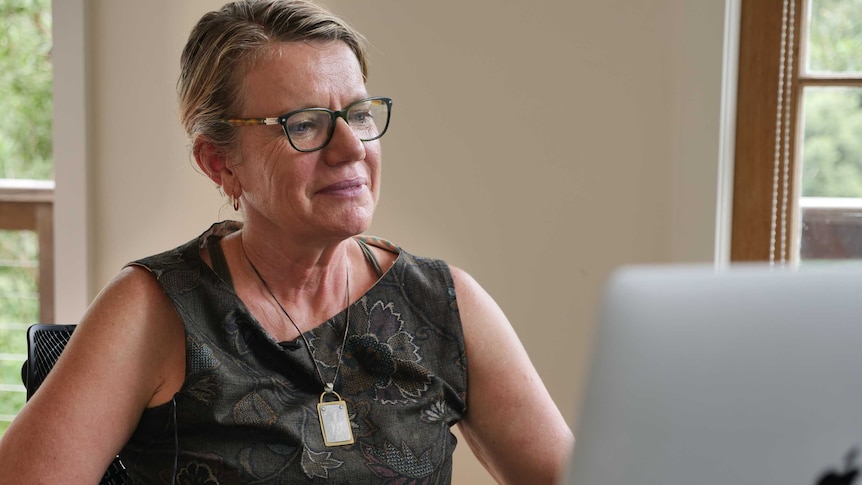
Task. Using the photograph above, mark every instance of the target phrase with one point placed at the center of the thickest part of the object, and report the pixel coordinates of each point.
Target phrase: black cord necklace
(333, 415)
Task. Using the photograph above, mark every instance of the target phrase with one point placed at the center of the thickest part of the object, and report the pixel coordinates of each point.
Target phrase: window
(26, 187)
(798, 160)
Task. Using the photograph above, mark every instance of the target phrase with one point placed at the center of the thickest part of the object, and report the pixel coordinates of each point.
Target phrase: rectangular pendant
(335, 423)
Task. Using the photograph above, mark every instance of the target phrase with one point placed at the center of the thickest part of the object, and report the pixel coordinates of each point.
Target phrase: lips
(345, 187)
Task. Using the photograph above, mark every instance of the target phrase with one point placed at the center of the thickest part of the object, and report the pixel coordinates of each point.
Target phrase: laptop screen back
(745, 375)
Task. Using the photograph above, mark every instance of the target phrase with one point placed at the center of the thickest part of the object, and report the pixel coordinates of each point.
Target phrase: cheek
(268, 178)
(373, 161)
(272, 163)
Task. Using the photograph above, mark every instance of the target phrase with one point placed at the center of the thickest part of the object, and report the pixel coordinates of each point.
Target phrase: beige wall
(538, 145)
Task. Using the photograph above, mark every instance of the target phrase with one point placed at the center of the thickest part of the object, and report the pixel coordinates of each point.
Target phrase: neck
(307, 294)
(312, 276)
(292, 250)
(281, 307)
(327, 384)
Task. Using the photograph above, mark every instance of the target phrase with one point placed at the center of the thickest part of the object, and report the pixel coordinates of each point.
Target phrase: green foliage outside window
(832, 143)
(25, 153)
(25, 84)
(19, 306)
(835, 43)
(832, 148)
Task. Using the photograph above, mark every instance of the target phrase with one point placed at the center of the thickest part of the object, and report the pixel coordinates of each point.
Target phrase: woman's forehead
(299, 73)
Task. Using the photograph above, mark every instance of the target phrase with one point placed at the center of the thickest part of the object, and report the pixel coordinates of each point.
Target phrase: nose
(344, 146)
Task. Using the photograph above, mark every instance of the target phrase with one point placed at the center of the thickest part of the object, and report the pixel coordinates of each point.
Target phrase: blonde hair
(224, 43)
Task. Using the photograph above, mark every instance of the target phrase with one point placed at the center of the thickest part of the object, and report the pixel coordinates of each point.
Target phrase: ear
(213, 162)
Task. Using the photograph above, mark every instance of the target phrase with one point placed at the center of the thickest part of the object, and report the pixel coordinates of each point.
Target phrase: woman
(285, 347)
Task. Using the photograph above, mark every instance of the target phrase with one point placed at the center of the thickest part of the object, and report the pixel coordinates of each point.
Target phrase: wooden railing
(28, 205)
(831, 228)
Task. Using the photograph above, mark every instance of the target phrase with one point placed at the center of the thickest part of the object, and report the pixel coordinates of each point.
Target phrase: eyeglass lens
(311, 129)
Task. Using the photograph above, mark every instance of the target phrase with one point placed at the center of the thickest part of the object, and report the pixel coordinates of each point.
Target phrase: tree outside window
(25, 153)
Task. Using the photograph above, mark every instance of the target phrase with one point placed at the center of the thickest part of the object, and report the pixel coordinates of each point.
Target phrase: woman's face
(327, 194)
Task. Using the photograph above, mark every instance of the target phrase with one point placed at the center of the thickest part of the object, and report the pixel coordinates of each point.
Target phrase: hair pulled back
(226, 42)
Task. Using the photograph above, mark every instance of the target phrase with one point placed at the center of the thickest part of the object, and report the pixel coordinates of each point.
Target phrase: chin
(356, 222)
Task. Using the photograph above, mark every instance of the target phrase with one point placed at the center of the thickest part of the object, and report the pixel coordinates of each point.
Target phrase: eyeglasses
(310, 129)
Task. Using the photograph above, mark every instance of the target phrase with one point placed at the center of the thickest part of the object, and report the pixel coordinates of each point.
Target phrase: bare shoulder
(134, 286)
(129, 340)
(504, 387)
(479, 311)
(463, 280)
(129, 307)
(126, 354)
(133, 322)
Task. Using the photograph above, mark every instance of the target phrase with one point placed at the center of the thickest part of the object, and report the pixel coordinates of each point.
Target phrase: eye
(303, 125)
(359, 117)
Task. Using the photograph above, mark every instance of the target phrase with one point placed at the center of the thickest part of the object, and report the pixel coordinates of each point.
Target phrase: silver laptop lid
(750, 375)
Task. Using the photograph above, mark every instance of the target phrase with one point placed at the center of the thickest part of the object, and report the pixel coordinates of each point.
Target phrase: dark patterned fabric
(247, 413)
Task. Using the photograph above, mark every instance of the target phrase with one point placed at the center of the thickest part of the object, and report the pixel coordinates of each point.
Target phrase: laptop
(744, 375)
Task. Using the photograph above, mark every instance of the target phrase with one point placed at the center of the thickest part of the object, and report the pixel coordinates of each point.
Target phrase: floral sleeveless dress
(247, 411)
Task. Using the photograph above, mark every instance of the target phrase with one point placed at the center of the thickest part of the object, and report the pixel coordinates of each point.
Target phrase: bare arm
(512, 424)
(116, 364)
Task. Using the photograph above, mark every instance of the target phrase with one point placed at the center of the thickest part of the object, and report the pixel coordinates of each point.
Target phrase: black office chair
(45, 342)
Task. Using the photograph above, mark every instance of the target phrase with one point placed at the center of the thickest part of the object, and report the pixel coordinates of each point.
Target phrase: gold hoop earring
(235, 203)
